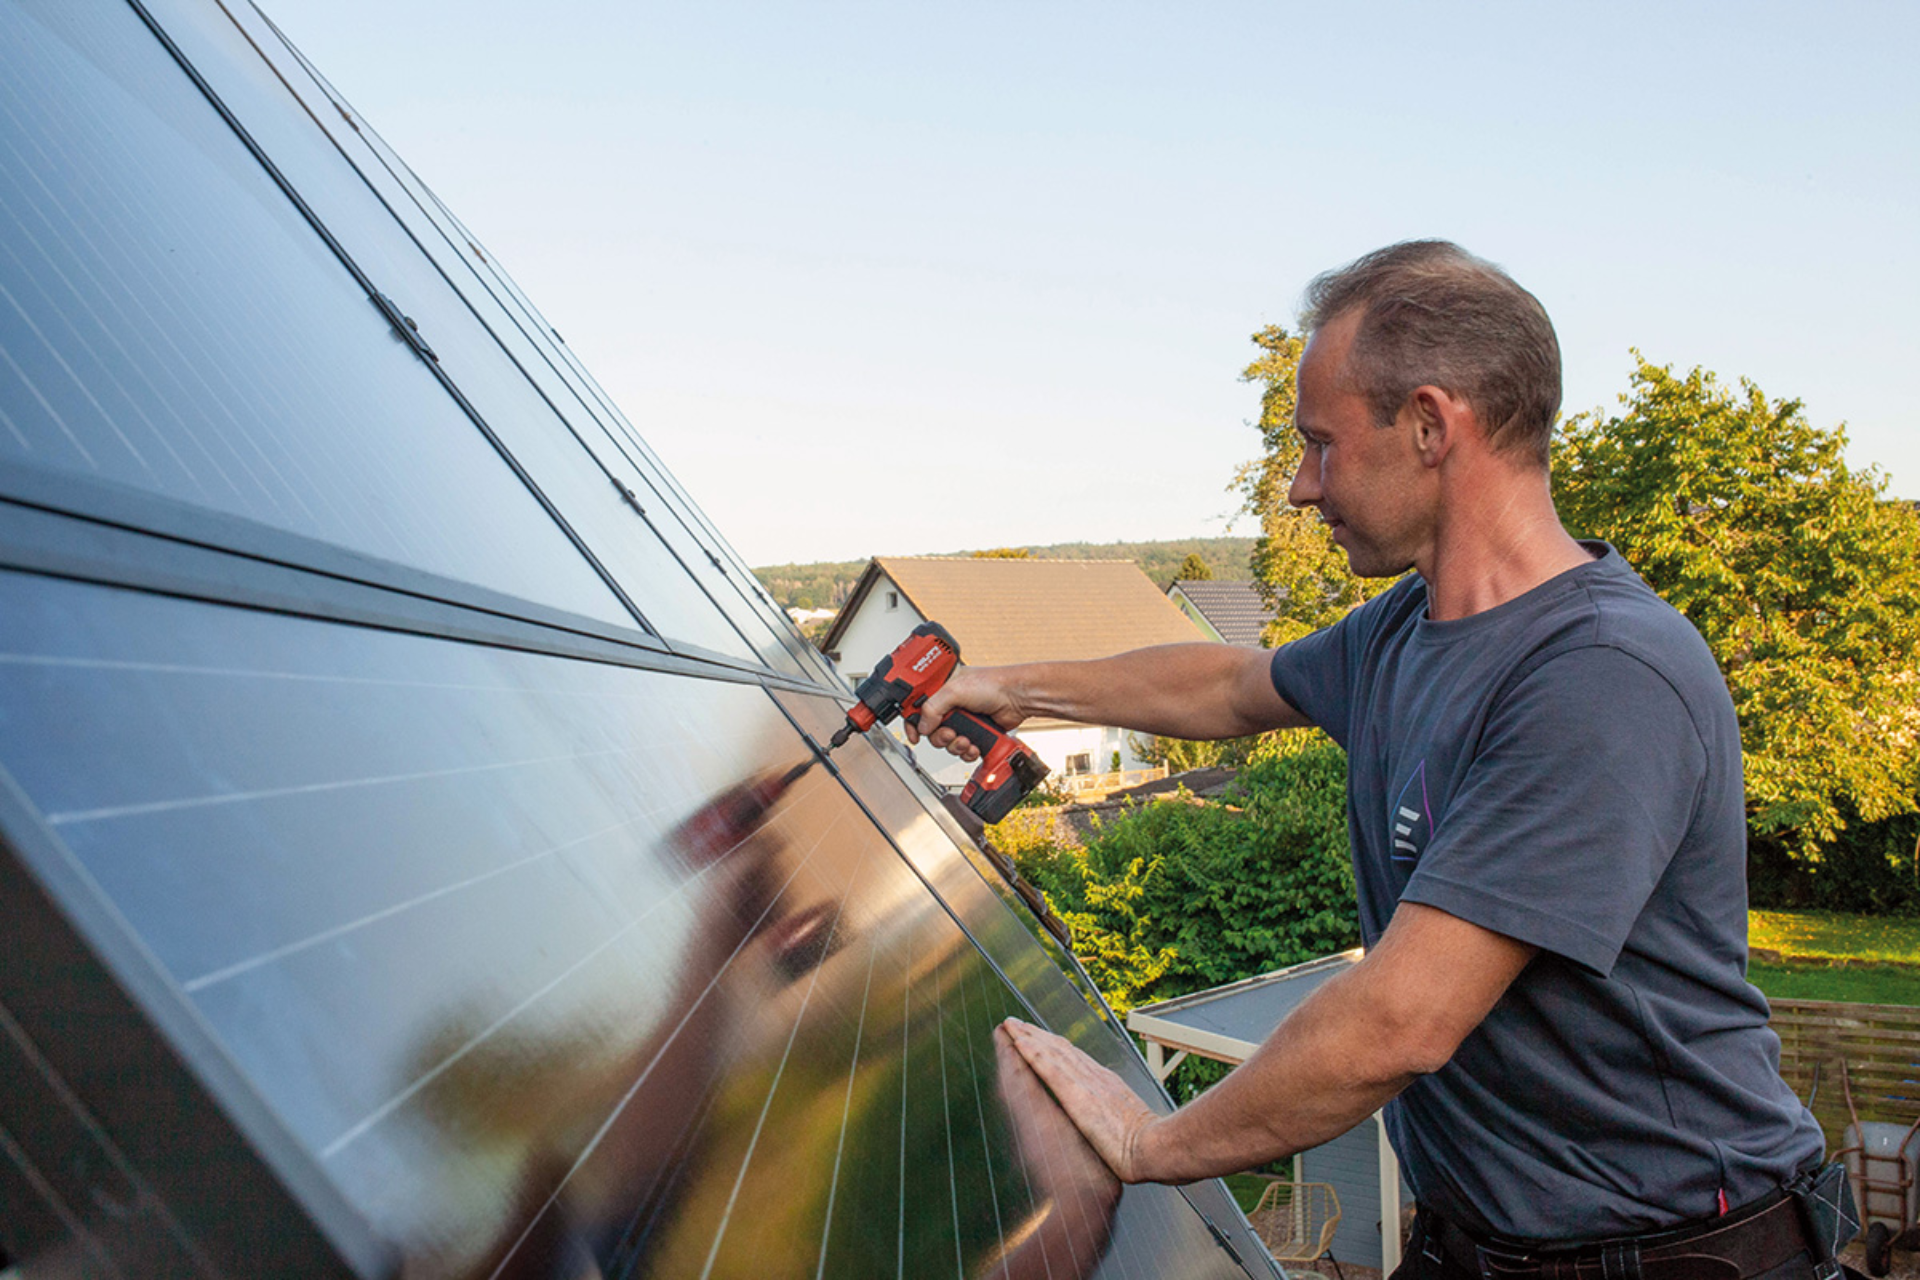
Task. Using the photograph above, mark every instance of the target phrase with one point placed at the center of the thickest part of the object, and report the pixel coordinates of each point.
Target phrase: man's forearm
(1351, 1046)
(1179, 690)
(1344, 1053)
(1305, 1086)
(1322, 1071)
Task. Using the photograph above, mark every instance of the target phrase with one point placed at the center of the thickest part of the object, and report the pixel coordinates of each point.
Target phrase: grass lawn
(1824, 955)
(1246, 1188)
(1855, 983)
(1830, 935)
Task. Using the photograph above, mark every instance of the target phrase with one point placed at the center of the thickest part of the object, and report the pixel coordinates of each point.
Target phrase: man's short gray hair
(1433, 314)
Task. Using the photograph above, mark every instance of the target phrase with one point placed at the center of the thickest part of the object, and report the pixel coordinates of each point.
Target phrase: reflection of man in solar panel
(593, 1151)
(533, 1096)
(1549, 834)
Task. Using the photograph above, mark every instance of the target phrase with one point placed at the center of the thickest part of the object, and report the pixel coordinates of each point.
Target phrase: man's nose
(1305, 489)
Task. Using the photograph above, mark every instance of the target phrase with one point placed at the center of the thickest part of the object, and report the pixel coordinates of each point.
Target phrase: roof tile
(1235, 609)
(1003, 611)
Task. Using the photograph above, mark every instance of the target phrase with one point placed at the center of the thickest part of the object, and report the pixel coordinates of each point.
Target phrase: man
(1548, 830)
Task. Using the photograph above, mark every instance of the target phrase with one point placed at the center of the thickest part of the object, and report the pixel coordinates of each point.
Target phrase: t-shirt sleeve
(1315, 673)
(1311, 674)
(1583, 789)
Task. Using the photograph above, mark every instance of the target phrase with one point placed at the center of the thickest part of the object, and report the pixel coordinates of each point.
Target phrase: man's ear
(1439, 421)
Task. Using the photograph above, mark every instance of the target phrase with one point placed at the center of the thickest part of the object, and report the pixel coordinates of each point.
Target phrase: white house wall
(884, 618)
(1097, 742)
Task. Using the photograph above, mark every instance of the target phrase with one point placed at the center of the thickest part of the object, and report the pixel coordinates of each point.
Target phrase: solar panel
(414, 849)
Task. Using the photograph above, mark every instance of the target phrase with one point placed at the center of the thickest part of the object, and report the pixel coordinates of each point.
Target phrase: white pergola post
(1389, 1199)
(1158, 1062)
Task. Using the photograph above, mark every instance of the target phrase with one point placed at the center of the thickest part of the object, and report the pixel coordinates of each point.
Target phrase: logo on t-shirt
(1412, 818)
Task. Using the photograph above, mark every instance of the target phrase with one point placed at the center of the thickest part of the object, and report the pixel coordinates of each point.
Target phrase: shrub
(1869, 867)
(1180, 895)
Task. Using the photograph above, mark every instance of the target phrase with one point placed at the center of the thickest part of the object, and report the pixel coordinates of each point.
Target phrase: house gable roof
(1002, 611)
(1234, 609)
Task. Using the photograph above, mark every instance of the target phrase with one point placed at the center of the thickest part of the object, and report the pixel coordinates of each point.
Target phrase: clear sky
(898, 278)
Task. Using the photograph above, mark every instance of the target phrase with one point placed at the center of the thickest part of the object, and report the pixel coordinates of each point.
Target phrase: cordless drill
(901, 683)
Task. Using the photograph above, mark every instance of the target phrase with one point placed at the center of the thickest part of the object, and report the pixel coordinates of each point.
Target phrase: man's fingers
(1057, 1158)
(948, 740)
(1107, 1113)
(982, 694)
(937, 734)
(1028, 1038)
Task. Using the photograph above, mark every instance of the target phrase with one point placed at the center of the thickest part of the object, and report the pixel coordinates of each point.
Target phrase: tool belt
(1805, 1217)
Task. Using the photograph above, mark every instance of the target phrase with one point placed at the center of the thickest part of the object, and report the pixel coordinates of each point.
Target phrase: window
(893, 601)
(1080, 762)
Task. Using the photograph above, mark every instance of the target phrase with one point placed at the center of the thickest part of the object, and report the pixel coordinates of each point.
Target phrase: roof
(1002, 611)
(1229, 1022)
(1234, 609)
(1207, 781)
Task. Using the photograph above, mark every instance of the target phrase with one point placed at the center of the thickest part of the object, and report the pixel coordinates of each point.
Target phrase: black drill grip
(981, 733)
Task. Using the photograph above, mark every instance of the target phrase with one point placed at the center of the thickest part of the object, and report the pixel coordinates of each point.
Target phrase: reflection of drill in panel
(902, 682)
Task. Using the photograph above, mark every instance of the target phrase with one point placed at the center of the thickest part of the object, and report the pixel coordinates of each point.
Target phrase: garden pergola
(1228, 1023)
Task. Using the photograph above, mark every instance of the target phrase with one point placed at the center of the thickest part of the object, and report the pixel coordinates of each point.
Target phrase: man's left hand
(1108, 1114)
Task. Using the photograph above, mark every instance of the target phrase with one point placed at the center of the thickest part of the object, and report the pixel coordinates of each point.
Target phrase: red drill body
(901, 683)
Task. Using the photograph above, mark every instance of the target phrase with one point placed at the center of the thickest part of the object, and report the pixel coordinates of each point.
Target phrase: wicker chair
(1296, 1221)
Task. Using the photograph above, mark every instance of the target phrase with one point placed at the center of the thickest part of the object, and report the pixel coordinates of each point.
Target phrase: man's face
(1367, 482)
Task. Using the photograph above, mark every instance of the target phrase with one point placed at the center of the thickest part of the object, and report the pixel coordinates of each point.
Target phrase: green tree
(1181, 754)
(1193, 569)
(1004, 553)
(1802, 576)
(1297, 568)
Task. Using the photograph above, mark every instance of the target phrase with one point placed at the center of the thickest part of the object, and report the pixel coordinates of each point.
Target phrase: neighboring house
(1002, 611)
(1229, 611)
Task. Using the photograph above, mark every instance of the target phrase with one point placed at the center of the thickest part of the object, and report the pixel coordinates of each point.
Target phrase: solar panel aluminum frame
(74, 526)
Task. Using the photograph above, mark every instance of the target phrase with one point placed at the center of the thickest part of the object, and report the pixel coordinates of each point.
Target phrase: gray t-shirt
(1565, 769)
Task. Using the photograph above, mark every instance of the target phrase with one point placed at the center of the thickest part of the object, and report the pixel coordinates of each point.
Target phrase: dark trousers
(1426, 1260)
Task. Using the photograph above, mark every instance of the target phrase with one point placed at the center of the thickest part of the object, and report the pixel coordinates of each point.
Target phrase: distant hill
(824, 585)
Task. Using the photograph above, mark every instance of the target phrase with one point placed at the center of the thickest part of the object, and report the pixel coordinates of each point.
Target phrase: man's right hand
(985, 691)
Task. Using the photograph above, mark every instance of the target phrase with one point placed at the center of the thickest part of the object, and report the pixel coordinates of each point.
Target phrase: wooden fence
(1880, 1044)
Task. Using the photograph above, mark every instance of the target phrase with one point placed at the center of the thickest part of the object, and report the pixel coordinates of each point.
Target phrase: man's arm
(1352, 1045)
(1181, 690)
